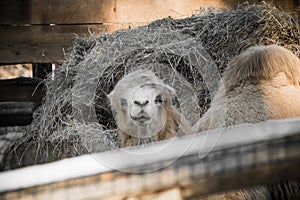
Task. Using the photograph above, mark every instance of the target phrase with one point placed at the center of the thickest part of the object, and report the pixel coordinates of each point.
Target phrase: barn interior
(59, 61)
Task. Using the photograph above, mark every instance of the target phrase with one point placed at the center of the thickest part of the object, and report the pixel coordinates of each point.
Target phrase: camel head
(140, 102)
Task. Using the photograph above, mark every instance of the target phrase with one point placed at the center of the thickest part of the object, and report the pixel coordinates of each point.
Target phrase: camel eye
(160, 99)
(123, 102)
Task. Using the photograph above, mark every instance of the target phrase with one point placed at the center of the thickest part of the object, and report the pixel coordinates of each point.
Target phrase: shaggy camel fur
(260, 84)
(144, 111)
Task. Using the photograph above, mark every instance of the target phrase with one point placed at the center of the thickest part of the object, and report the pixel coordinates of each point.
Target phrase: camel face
(143, 109)
(146, 105)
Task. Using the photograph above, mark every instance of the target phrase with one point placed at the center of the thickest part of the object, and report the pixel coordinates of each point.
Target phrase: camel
(143, 107)
(260, 84)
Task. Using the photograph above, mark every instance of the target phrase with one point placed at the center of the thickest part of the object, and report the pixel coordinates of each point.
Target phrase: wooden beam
(16, 113)
(41, 44)
(54, 11)
(21, 89)
(18, 100)
(232, 164)
(96, 11)
(47, 34)
(109, 11)
(19, 54)
(265, 174)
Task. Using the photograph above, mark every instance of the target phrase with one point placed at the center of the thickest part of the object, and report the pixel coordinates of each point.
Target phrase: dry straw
(189, 54)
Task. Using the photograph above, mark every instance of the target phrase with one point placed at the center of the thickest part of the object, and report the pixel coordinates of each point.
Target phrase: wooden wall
(35, 31)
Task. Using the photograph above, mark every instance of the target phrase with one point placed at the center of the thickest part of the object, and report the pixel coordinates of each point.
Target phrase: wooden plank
(11, 129)
(46, 35)
(107, 11)
(40, 44)
(96, 11)
(266, 174)
(230, 167)
(16, 113)
(53, 11)
(21, 89)
(32, 54)
(18, 100)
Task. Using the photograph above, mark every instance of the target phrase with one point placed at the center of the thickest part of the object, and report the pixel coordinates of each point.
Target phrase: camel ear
(123, 103)
(110, 95)
(171, 89)
(174, 100)
(110, 99)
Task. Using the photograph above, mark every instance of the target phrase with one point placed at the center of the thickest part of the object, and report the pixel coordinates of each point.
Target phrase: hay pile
(225, 33)
(189, 54)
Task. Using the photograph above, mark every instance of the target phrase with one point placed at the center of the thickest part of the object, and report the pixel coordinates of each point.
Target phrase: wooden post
(41, 70)
(18, 100)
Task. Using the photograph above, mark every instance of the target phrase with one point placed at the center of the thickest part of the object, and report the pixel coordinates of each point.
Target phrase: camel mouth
(141, 120)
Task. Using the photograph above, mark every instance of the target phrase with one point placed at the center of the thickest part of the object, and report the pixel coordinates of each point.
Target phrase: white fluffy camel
(144, 111)
(260, 84)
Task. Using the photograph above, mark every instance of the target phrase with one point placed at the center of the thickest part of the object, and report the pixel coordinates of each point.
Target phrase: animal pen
(58, 135)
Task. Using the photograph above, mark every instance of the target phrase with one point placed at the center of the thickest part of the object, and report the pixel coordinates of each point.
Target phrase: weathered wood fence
(184, 168)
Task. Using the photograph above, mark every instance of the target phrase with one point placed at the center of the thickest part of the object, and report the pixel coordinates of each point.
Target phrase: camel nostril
(137, 103)
(141, 103)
